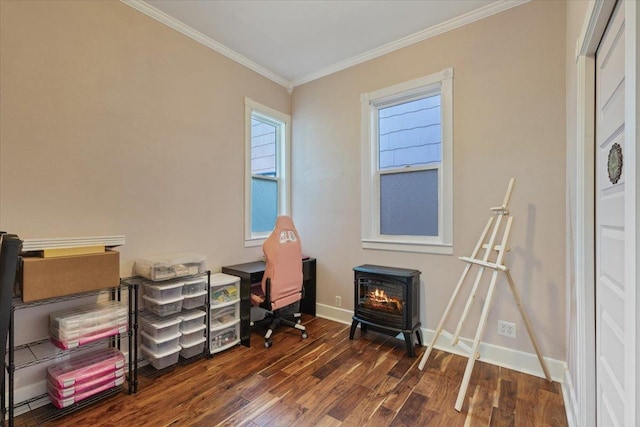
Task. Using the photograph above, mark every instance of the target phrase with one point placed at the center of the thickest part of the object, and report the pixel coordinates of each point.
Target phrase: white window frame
(283, 165)
(442, 83)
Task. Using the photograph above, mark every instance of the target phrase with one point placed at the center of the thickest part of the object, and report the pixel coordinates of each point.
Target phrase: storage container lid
(160, 322)
(163, 286)
(148, 352)
(196, 280)
(179, 258)
(161, 340)
(219, 279)
(194, 342)
(196, 294)
(190, 315)
(167, 301)
(194, 329)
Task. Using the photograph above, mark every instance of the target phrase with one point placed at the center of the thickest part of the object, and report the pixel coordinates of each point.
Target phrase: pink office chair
(282, 280)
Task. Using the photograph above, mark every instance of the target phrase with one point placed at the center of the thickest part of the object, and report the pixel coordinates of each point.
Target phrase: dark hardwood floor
(325, 380)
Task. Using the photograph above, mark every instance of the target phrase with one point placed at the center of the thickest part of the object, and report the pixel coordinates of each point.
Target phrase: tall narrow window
(407, 172)
(267, 165)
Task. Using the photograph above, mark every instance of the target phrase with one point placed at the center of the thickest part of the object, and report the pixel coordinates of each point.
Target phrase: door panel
(610, 231)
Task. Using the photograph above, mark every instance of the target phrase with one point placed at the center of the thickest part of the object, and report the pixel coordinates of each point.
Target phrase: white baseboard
(496, 355)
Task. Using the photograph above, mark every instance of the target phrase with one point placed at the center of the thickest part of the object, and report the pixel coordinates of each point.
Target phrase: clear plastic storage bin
(161, 360)
(160, 327)
(166, 267)
(163, 290)
(194, 348)
(190, 336)
(191, 319)
(224, 294)
(194, 300)
(223, 337)
(163, 308)
(88, 316)
(194, 286)
(222, 279)
(220, 316)
(160, 345)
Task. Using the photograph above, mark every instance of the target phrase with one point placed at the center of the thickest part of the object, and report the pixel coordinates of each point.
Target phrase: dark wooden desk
(252, 272)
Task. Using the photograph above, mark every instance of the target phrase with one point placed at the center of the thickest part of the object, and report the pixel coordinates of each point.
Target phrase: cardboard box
(42, 278)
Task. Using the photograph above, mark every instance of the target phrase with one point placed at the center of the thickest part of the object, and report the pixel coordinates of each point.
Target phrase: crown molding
(475, 15)
(452, 24)
(179, 26)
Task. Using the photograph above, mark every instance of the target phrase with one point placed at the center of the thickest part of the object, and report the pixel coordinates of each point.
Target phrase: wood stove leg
(410, 343)
(419, 336)
(354, 325)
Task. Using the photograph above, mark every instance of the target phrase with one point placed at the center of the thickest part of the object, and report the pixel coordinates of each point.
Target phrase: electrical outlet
(338, 301)
(507, 329)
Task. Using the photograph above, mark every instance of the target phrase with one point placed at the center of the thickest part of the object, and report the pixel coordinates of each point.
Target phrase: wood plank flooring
(325, 380)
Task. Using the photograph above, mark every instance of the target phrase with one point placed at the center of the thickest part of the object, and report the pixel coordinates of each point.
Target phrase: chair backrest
(283, 257)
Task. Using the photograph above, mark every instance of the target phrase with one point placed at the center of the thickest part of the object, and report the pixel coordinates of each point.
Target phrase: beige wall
(112, 123)
(509, 120)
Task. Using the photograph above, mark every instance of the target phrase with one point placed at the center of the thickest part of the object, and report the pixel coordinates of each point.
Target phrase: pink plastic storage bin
(83, 340)
(79, 388)
(85, 367)
(68, 401)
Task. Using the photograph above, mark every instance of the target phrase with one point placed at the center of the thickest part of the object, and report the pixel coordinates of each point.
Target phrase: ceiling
(296, 41)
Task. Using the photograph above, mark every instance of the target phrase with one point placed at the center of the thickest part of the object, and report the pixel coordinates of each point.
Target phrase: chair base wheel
(267, 344)
(305, 335)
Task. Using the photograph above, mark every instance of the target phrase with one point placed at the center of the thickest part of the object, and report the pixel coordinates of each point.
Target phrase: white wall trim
(584, 402)
(179, 26)
(496, 355)
(452, 24)
(570, 400)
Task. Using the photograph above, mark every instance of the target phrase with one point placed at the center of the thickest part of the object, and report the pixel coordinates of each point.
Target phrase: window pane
(409, 203)
(264, 204)
(263, 148)
(410, 133)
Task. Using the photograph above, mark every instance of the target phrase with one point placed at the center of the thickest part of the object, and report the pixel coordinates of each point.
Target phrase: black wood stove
(387, 300)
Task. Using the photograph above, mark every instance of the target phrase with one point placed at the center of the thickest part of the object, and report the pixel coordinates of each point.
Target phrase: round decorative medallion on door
(614, 163)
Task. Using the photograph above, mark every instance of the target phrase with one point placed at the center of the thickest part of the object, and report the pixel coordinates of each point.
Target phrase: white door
(610, 230)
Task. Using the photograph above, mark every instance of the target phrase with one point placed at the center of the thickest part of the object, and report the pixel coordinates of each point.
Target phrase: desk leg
(245, 311)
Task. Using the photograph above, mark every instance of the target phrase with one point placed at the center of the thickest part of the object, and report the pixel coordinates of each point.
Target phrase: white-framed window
(267, 166)
(407, 166)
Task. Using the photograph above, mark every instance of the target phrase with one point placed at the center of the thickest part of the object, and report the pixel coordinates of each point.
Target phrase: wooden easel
(490, 247)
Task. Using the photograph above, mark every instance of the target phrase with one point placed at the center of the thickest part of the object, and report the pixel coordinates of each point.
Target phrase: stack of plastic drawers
(160, 325)
(83, 376)
(77, 326)
(193, 331)
(224, 328)
(174, 327)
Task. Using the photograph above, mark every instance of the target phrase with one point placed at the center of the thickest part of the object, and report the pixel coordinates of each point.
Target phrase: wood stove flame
(378, 300)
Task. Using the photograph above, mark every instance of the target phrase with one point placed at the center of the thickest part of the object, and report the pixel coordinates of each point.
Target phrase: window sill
(398, 246)
(251, 243)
